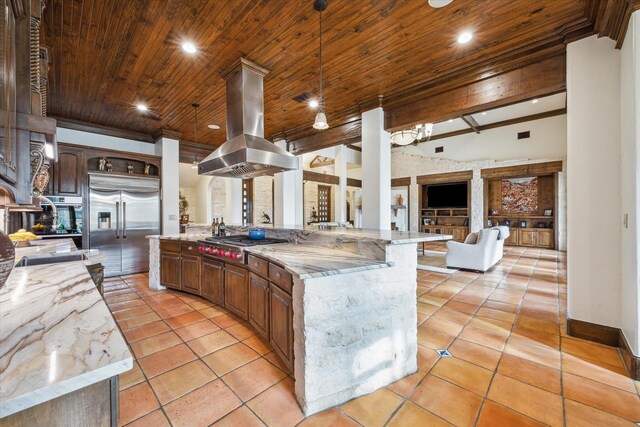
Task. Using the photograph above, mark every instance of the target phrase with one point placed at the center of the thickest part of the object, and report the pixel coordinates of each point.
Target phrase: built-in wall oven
(69, 222)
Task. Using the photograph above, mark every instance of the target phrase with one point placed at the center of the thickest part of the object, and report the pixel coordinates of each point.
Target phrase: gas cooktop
(241, 240)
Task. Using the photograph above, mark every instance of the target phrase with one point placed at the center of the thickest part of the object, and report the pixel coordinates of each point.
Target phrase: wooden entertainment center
(444, 220)
(535, 226)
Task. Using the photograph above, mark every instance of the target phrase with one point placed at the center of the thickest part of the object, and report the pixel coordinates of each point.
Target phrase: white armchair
(480, 256)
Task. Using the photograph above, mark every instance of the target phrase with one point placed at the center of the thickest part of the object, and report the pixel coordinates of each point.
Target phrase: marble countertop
(381, 236)
(57, 247)
(307, 261)
(385, 236)
(57, 334)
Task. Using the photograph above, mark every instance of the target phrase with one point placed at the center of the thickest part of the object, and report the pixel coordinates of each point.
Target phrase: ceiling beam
(495, 125)
(345, 134)
(103, 130)
(471, 122)
(611, 17)
(534, 80)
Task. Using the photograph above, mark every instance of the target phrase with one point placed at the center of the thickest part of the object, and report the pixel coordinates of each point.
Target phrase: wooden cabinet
(281, 325)
(170, 270)
(513, 237)
(259, 304)
(459, 232)
(212, 280)
(545, 238)
(190, 277)
(259, 292)
(66, 173)
(236, 290)
(527, 237)
(536, 237)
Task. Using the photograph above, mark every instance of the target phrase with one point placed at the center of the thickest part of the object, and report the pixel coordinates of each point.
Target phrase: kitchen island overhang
(354, 308)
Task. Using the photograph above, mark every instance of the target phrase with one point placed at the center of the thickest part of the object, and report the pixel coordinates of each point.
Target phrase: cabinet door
(259, 304)
(281, 324)
(212, 281)
(190, 277)
(545, 238)
(236, 290)
(170, 270)
(527, 237)
(459, 234)
(67, 174)
(513, 237)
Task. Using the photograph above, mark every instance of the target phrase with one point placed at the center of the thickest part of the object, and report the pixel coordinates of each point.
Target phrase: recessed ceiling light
(214, 127)
(189, 47)
(314, 103)
(484, 113)
(142, 107)
(450, 120)
(439, 3)
(534, 101)
(465, 37)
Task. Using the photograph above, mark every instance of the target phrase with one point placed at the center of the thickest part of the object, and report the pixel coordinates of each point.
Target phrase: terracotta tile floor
(512, 363)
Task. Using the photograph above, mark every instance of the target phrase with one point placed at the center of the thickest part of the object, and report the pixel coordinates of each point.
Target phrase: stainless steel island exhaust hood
(246, 153)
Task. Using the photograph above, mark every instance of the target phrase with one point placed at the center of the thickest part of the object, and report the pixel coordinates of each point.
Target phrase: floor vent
(524, 135)
(439, 149)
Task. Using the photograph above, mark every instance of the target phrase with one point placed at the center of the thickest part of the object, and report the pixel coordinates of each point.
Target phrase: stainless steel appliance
(246, 153)
(231, 248)
(123, 210)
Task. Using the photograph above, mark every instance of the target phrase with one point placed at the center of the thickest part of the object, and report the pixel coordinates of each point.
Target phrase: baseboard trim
(606, 335)
(631, 361)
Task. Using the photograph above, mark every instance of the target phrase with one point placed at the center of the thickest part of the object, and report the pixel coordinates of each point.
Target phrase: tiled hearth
(511, 363)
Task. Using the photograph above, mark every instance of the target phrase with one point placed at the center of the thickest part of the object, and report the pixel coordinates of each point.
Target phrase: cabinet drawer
(170, 245)
(258, 265)
(280, 277)
(190, 248)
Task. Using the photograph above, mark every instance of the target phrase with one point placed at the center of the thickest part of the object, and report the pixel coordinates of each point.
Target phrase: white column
(340, 166)
(288, 196)
(376, 171)
(234, 201)
(169, 149)
(630, 190)
(593, 181)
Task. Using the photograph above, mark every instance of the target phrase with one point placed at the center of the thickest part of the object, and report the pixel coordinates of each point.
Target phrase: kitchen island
(60, 349)
(338, 306)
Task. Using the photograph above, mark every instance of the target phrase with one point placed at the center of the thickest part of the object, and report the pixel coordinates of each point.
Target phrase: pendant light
(195, 106)
(321, 119)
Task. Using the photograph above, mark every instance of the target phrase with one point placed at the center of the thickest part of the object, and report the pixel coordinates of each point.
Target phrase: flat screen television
(447, 195)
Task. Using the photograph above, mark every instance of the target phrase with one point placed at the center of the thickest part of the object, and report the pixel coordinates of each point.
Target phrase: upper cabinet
(8, 147)
(67, 172)
(24, 128)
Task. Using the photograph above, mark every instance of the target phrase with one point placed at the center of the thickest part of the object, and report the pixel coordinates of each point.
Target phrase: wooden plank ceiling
(108, 55)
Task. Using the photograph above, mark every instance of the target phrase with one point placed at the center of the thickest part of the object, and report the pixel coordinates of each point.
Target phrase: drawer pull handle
(278, 275)
(190, 248)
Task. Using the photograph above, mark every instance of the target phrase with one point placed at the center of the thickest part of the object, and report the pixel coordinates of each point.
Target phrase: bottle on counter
(214, 227)
(222, 228)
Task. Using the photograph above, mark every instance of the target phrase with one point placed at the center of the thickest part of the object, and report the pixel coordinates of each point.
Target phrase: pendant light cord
(195, 127)
(321, 97)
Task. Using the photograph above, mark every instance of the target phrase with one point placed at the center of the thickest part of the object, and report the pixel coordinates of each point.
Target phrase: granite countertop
(57, 334)
(307, 261)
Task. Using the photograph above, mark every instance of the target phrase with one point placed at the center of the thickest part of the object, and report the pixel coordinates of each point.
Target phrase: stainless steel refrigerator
(123, 210)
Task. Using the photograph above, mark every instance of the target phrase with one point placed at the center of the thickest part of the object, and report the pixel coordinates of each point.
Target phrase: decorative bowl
(256, 233)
